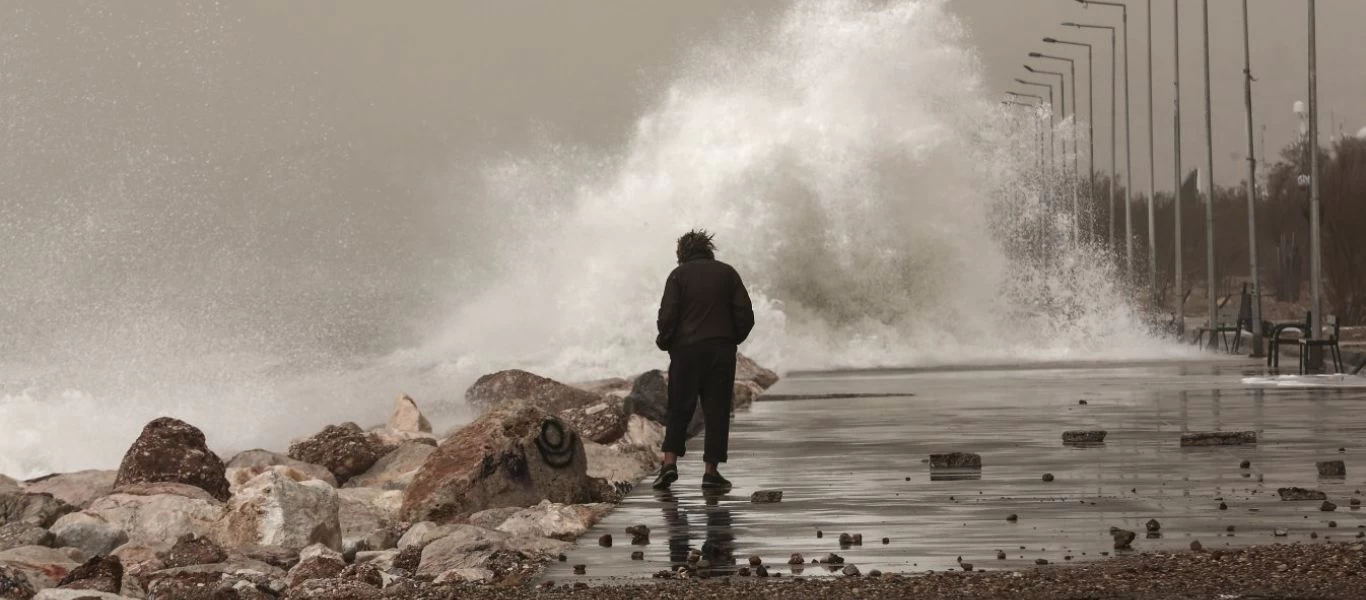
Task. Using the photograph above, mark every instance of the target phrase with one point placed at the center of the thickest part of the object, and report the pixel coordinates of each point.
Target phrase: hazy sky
(1006, 31)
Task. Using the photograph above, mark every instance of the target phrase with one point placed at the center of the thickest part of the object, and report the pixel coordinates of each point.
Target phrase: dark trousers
(705, 369)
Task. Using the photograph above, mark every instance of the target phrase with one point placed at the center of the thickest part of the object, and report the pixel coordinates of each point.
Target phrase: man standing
(704, 315)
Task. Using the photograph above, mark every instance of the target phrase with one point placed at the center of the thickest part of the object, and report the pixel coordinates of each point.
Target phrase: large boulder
(547, 394)
(744, 394)
(78, 489)
(344, 450)
(465, 547)
(42, 566)
(158, 517)
(37, 509)
(513, 455)
(56, 594)
(171, 450)
(642, 433)
(621, 467)
(19, 533)
(396, 470)
(192, 550)
(364, 511)
(9, 485)
(407, 418)
(649, 396)
(748, 370)
(204, 582)
(91, 533)
(276, 510)
(100, 574)
(603, 422)
(14, 584)
(552, 520)
(248, 464)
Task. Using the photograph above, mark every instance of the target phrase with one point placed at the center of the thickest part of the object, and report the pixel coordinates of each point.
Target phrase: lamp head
(1035, 55)
(1018, 80)
(1049, 40)
(1071, 24)
(1029, 68)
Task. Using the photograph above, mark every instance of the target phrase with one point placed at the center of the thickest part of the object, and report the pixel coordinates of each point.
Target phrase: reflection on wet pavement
(860, 465)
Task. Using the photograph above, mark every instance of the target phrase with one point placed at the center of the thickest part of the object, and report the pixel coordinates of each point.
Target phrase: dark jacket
(704, 299)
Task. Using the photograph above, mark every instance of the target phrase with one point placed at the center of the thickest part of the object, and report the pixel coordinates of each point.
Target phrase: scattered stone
(1280, 533)
(1047, 477)
(1331, 468)
(886, 541)
(605, 540)
(1218, 438)
(1196, 546)
(1084, 437)
(967, 567)
(637, 555)
(78, 489)
(1153, 525)
(761, 571)
(1013, 517)
(1082, 402)
(99, 574)
(819, 534)
(1223, 506)
(1355, 502)
(640, 535)
(1332, 524)
(956, 460)
(344, 450)
(1123, 538)
(851, 571)
(1297, 494)
(1000, 555)
(1328, 506)
(846, 539)
(766, 496)
(514, 455)
(1230, 529)
(796, 559)
(1246, 464)
(19, 533)
(875, 573)
(831, 559)
(1040, 561)
(1313, 535)
(743, 572)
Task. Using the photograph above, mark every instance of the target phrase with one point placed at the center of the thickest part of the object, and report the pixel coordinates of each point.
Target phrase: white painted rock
(93, 534)
(396, 469)
(276, 510)
(551, 520)
(158, 517)
(406, 417)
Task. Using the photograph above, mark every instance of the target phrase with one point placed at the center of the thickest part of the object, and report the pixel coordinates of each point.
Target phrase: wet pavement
(859, 465)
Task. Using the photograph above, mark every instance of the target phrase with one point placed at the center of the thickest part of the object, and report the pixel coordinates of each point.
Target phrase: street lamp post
(1076, 173)
(1113, 145)
(1212, 321)
(1176, 157)
(1251, 193)
(1315, 218)
(1090, 113)
(1062, 99)
(1128, 164)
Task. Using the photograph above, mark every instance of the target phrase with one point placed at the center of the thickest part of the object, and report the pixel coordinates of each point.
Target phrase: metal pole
(1091, 128)
(1251, 194)
(1212, 320)
(1113, 145)
(1176, 155)
(1152, 166)
(1076, 173)
(1128, 163)
(1315, 249)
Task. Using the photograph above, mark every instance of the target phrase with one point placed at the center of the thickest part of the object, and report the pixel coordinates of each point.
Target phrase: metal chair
(1228, 322)
(1331, 343)
(1274, 331)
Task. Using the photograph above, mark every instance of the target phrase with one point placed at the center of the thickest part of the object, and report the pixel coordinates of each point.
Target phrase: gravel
(1272, 572)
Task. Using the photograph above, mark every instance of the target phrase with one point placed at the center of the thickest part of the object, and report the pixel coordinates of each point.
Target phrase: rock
(14, 584)
(605, 540)
(886, 541)
(967, 567)
(1280, 532)
(851, 571)
(547, 394)
(846, 539)
(19, 533)
(1331, 468)
(637, 555)
(171, 450)
(1041, 561)
(1123, 538)
(640, 535)
(1000, 555)
(603, 422)
(766, 496)
(875, 573)
(956, 460)
(1196, 546)
(56, 594)
(192, 550)
(363, 511)
(344, 450)
(35, 509)
(642, 433)
(315, 567)
(761, 571)
(395, 470)
(1297, 494)
(210, 581)
(649, 397)
(43, 567)
(1328, 506)
(336, 589)
(610, 385)
(1355, 502)
(1223, 506)
(407, 418)
(1084, 437)
(1012, 517)
(464, 575)
(1246, 464)
(78, 489)
(160, 517)
(466, 547)
(831, 559)
(276, 510)
(1047, 477)
(748, 370)
(423, 533)
(513, 455)
(1218, 438)
(1153, 525)
(744, 394)
(100, 574)
(551, 520)
(621, 468)
(93, 534)
(254, 462)
(796, 559)
(580, 569)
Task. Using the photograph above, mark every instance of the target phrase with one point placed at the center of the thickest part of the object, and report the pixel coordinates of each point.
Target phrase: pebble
(1082, 402)
(819, 534)
(1013, 517)
(1332, 524)
(1223, 506)
(875, 573)
(605, 541)
(1048, 477)
(1230, 528)
(766, 496)
(1000, 555)
(580, 569)
(1246, 464)
(851, 571)
(743, 572)
(1153, 525)
(1328, 506)
(966, 567)
(886, 541)
(637, 555)
(796, 559)
(1280, 533)
(1040, 561)
(1196, 546)
(755, 561)
(846, 539)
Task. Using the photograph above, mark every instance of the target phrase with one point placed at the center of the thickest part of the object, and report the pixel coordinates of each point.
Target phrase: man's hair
(695, 244)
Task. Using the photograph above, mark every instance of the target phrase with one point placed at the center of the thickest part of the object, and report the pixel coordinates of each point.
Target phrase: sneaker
(667, 475)
(714, 481)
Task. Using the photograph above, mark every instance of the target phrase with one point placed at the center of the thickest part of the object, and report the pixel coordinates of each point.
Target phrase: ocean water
(881, 205)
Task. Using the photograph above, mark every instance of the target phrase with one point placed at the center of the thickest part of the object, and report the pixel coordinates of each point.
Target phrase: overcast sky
(1005, 31)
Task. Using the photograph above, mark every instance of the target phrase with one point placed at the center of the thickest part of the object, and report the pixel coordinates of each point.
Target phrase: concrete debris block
(766, 496)
(1084, 437)
(1331, 468)
(1298, 494)
(1123, 538)
(956, 460)
(1218, 438)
